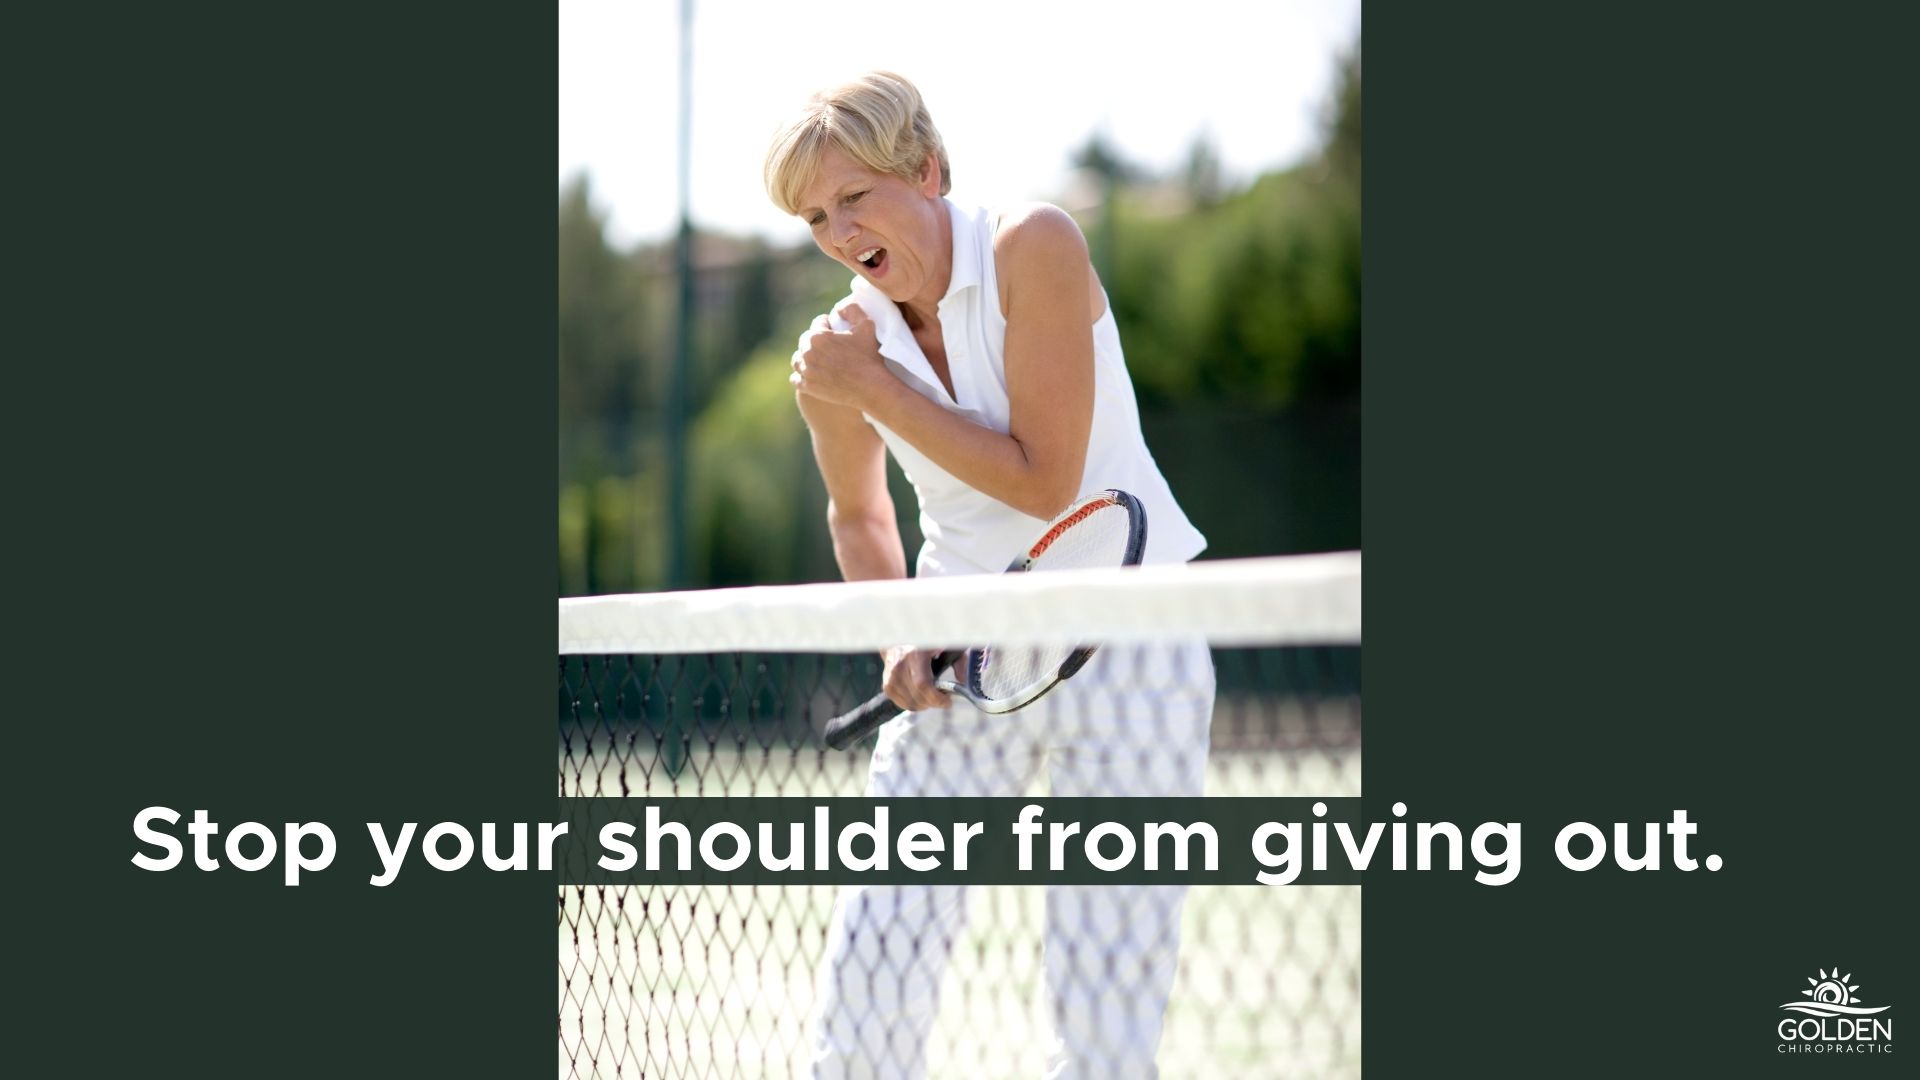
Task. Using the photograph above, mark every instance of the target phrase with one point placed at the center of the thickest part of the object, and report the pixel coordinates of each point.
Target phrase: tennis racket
(1101, 530)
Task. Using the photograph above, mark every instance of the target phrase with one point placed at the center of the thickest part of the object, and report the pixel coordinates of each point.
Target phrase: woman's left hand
(841, 366)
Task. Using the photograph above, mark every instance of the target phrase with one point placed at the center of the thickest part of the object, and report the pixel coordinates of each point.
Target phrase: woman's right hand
(908, 679)
(841, 366)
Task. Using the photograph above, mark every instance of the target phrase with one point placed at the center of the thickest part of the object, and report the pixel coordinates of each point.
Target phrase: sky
(1015, 86)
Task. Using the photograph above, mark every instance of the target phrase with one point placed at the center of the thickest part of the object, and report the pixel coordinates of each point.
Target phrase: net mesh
(985, 981)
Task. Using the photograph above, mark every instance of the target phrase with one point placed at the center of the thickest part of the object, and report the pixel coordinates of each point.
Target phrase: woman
(978, 348)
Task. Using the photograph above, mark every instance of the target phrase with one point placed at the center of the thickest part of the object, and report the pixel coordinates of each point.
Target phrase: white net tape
(1287, 600)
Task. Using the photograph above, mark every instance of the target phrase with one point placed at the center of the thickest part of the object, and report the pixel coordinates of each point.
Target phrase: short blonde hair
(877, 119)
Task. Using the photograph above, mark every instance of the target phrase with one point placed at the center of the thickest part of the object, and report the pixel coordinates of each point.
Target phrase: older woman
(977, 347)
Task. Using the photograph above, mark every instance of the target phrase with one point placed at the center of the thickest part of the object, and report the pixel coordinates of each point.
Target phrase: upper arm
(852, 459)
(1042, 259)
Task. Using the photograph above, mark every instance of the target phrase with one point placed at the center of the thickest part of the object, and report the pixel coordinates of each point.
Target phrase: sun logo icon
(1831, 989)
(1833, 995)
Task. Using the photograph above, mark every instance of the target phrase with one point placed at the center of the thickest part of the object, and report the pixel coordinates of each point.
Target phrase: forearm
(867, 546)
(991, 462)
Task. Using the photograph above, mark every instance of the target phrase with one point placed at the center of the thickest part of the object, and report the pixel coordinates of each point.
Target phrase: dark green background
(1638, 437)
(291, 326)
(1637, 453)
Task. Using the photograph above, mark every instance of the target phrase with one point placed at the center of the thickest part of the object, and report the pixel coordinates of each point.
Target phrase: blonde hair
(877, 119)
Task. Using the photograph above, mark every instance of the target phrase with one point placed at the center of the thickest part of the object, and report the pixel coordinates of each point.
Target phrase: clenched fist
(840, 366)
(908, 679)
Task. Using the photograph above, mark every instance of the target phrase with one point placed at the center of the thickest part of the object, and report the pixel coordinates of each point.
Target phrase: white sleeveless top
(966, 531)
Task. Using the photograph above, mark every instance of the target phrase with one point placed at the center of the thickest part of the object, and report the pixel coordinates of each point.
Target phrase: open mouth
(872, 258)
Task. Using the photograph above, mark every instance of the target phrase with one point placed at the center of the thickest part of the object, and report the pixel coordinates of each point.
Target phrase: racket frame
(845, 730)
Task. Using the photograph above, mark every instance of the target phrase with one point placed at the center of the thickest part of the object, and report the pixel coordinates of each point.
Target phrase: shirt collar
(966, 251)
(897, 343)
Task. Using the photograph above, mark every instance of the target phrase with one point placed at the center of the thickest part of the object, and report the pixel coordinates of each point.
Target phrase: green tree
(601, 313)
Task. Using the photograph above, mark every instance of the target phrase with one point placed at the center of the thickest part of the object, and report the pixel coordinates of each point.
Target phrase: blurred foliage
(604, 306)
(1239, 309)
(750, 452)
(1253, 296)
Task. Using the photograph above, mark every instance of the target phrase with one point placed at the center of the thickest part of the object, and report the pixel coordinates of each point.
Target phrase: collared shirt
(967, 531)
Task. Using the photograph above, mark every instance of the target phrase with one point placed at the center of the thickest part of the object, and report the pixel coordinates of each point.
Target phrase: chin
(885, 288)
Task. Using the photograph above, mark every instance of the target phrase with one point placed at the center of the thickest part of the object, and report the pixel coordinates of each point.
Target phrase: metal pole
(683, 331)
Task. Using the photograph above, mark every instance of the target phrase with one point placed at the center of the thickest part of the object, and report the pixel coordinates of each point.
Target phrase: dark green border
(1631, 442)
(1637, 447)
(291, 457)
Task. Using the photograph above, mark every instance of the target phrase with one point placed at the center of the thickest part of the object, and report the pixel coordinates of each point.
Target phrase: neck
(925, 307)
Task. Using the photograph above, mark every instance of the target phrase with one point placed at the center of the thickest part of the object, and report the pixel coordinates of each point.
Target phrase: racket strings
(1096, 536)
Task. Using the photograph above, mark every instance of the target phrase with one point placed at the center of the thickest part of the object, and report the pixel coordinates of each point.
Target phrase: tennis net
(1239, 678)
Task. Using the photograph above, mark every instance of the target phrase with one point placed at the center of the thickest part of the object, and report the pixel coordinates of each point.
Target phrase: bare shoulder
(1040, 245)
(1036, 233)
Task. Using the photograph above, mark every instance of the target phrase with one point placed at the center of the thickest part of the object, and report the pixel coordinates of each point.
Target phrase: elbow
(843, 523)
(1049, 500)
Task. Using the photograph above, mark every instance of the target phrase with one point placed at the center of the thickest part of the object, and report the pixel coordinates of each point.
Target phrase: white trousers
(1133, 722)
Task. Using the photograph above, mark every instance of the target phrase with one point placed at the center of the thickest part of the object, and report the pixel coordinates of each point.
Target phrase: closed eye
(853, 198)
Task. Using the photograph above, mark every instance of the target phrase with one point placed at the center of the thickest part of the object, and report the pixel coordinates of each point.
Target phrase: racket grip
(849, 728)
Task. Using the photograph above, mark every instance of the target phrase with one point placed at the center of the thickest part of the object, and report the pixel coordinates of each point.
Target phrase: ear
(929, 184)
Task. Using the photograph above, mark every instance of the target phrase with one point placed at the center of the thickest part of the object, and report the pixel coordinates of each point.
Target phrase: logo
(1833, 1020)
(1832, 996)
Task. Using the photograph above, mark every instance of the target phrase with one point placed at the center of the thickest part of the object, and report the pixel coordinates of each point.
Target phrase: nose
(843, 228)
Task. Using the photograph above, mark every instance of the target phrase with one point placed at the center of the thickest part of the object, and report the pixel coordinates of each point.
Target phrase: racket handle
(848, 728)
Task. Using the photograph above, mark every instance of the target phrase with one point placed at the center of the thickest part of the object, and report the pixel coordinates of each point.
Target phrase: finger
(821, 324)
(855, 319)
(909, 687)
(897, 692)
(926, 693)
(942, 698)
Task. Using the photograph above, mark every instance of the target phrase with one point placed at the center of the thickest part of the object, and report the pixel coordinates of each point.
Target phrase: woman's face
(881, 227)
